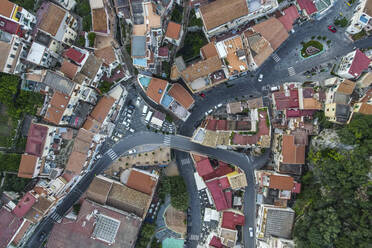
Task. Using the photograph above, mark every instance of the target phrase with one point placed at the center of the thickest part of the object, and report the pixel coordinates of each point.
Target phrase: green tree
(91, 38)
(9, 162)
(104, 86)
(147, 231)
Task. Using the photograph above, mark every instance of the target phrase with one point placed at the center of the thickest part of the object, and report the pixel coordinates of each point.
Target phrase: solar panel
(106, 229)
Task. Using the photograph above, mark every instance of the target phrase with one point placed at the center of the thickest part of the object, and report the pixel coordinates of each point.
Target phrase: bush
(15, 183)
(341, 22)
(177, 14)
(91, 38)
(9, 162)
(359, 35)
(147, 231)
(104, 86)
(192, 44)
(80, 41)
(176, 187)
(193, 21)
(313, 43)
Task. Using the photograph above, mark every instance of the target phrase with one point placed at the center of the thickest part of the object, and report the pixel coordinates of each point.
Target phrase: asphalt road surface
(177, 142)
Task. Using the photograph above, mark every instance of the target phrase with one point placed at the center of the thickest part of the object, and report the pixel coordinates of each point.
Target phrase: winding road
(178, 142)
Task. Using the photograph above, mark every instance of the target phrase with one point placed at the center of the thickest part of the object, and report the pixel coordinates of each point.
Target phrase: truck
(148, 117)
(144, 110)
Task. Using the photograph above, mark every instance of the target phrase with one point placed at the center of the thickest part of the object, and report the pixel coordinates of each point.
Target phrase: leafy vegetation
(91, 38)
(341, 22)
(166, 68)
(333, 208)
(359, 35)
(312, 43)
(176, 187)
(192, 44)
(104, 86)
(155, 243)
(14, 183)
(83, 9)
(147, 231)
(15, 104)
(80, 41)
(177, 14)
(9, 162)
(27, 4)
(193, 21)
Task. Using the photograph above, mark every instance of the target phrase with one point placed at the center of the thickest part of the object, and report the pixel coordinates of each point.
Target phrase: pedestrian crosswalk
(276, 57)
(185, 161)
(167, 140)
(112, 154)
(55, 216)
(194, 237)
(291, 71)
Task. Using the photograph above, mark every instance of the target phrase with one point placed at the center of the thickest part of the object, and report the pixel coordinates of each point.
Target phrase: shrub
(91, 38)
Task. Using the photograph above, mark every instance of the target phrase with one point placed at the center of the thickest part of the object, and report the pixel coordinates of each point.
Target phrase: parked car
(131, 130)
(131, 151)
(260, 78)
(202, 95)
(131, 107)
(332, 28)
(42, 236)
(274, 88)
(119, 135)
(251, 232)
(116, 139)
(210, 111)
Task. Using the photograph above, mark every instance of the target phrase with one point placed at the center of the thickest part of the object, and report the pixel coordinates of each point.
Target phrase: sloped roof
(209, 50)
(201, 69)
(173, 30)
(156, 89)
(74, 55)
(219, 12)
(204, 167)
(178, 92)
(36, 137)
(102, 108)
(273, 31)
(141, 181)
(346, 87)
(24, 205)
(359, 64)
(68, 69)
(281, 182)
(290, 16)
(99, 20)
(9, 224)
(230, 220)
(307, 5)
(98, 190)
(6, 8)
(27, 166)
(52, 19)
(107, 54)
(58, 104)
(292, 154)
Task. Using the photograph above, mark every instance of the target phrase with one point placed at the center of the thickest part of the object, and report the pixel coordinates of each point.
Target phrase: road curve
(177, 142)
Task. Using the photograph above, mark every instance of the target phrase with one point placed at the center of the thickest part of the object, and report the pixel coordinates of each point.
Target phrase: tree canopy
(334, 207)
(176, 187)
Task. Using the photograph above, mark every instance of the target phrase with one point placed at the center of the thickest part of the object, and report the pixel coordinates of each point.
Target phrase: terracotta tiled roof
(290, 16)
(74, 55)
(99, 20)
(102, 108)
(173, 30)
(57, 106)
(27, 166)
(6, 8)
(24, 205)
(21, 233)
(76, 162)
(52, 19)
(107, 54)
(365, 108)
(209, 50)
(281, 182)
(68, 69)
(9, 224)
(201, 69)
(36, 139)
(346, 87)
(307, 5)
(129, 200)
(273, 31)
(181, 95)
(311, 103)
(156, 89)
(92, 125)
(141, 181)
(98, 190)
(359, 64)
(220, 12)
(292, 154)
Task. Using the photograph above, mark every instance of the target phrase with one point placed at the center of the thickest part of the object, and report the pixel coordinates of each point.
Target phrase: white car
(131, 130)
(260, 77)
(219, 105)
(116, 139)
(119, 135)
(251, 232)
(132, 151)
(210, 111)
